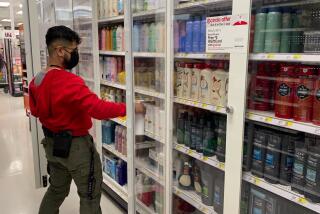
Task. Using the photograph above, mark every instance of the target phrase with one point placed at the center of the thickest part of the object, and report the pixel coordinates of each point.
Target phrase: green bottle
(259, 33)
(114, 39)
(286, 33)
(152, 35)
(296, 36)
(187, 131)
(209, 140)
(273, 34)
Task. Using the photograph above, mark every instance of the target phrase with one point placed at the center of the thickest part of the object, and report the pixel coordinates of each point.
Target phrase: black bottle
(218, 192)
(180, 128)
(299, 167)
(260, 141)
(221, 140)
(187, 131)
(194, 133)
(312, 178)
(272, 160)
(200, 132)
(287, 158)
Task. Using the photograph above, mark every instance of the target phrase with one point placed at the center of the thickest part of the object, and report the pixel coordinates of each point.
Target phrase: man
(65, 106)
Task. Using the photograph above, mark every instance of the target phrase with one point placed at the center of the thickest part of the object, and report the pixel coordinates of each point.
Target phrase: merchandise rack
(112, 84)
(112, 53)
(111, 148)
(122, 191)
(192, 198)
(170, 143)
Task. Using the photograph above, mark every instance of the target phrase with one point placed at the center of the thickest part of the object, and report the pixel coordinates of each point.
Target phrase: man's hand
(140, 108)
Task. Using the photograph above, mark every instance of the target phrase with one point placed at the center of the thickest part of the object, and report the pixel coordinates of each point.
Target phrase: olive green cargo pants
(76, 167)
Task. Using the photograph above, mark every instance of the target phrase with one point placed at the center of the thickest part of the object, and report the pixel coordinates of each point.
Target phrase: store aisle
(18, 195)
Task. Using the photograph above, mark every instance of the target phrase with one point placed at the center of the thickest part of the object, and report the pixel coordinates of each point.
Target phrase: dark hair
(61, 33)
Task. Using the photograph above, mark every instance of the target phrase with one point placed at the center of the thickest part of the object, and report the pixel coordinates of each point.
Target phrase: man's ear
(60, 51)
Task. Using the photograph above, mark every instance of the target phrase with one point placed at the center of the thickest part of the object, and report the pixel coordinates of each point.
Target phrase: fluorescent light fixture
(6, 20)
(20, 5)
(19, 12)
(4, 4)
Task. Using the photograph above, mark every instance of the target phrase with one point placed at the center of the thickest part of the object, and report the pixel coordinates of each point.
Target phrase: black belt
(48, 133)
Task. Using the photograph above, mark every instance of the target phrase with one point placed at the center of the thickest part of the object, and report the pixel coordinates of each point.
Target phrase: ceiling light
(6, 20)
(19, 12)
(20, 5)
(4, 4)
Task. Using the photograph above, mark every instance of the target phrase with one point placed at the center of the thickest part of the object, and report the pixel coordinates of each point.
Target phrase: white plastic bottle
(160, 37)
(119, 38)
(195, 81)
(179, 79)
(187, 81)
(206, 84)
(115, 8)
(219, 88)
(139, 5)
(105, 8)
(144, 37)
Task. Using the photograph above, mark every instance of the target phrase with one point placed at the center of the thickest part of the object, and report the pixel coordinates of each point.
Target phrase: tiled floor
(17, 192)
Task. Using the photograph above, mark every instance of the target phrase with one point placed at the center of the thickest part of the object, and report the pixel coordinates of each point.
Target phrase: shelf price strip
(194, 200)
(298, 126)
(283, 191)
(219, 109)
(201, 157)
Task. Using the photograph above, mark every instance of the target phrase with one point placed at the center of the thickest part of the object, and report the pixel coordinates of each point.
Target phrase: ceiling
(5, 13)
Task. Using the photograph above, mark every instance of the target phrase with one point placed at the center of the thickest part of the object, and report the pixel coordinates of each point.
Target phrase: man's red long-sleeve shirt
(62, 101)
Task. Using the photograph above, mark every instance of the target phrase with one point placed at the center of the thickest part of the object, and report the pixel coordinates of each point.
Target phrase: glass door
(281, 155)
(201, 85)
(149, 60)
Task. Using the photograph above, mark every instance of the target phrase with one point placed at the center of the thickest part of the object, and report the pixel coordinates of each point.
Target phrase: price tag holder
(270, 56)
(297, 56)
(268, 119)
(256, 181)
(302, 200)
(221, 166)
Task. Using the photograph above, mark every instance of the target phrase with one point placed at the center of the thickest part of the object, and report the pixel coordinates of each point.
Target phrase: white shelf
(149, 54)
(269, 118)
(146, 170)
(112, 19)
(143, 209)
(112, 53)
(149, 92)
(303, 57)
(212, 161)
(154, 137)
(112, 149)
(149, 13)
(122, 191)
(283, 191)
(195, 200)
(200, 4)
(112, 84)
(218, 56)
(218, 109)
(291, 4)
(120, 120)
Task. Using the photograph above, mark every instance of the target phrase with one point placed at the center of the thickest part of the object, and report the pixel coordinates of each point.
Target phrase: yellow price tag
(250, 115)
(204, 209)
(268, 119)
(270, 56)
(302, 200)
(297, 56)
(256, 181)
(190, 152)
(204, 105)
(289, 123)
(205, 158)
(178, 146)
(221, 166)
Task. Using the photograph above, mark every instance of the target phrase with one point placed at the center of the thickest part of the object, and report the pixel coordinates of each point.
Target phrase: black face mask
(73, 61)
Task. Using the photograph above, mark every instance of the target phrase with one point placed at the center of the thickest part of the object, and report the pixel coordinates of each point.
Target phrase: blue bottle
(196, 35)
(203, 34)
(189, 34)
(109, 132)
(136, 38)
(182, 36)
